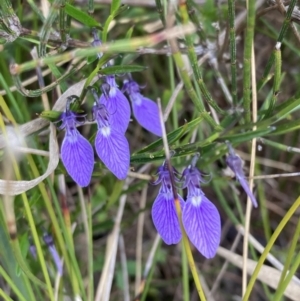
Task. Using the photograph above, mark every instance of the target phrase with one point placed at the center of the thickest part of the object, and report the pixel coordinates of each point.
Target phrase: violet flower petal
(246, 187)
(113, 149)
(78, 157)
(165, 218)
(146, 113)
(118, 108)
(201, 221)
(57, 260)
(236, 165)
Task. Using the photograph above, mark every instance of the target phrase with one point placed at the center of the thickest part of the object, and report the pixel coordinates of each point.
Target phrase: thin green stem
(280, 38)
(71, 262)
(185, 275)
(36, 10)
(62, 23)
(191, 92)
(268, 247)
(160, 11)
(11, 284)
(46, 29)
(5, 296)
(232, 46)
(276, 83)
(247, 60)
(287, 280)
(90, 249)
(189, 253)
(14, 104)
(91, 7)
(280, 146)
(194, 62)
(196, 20)
(35, 93)
(120, 46)
(291, 251)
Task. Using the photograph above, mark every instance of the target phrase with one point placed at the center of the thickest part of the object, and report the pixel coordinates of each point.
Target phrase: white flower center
(136, 98)
(196, 200)
(112, 91)
(105, 131)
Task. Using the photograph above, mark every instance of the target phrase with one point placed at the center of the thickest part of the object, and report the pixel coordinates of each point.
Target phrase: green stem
(287, 280)
(189, 254)
(11, 284)
(280, 146)
(191, 92)
(280, 38)
(46, 29)
(232, 46)
(268, 247)
(62, 23)
(91, 7)
(247, 60)
(281, 285)
(276, 83)
(185, 275)
(5, 296)
(194, 62)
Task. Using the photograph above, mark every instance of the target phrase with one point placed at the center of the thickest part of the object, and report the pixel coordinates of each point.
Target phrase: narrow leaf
(122, 69)
(81, 16)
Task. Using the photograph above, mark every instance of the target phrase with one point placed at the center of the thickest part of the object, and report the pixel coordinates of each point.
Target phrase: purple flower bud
(144, 109)
(236, 165)
(76, 152)
(116, 104)
(50, 244)
(96, 42)
(200, 217)
(32, 249)
(164, 214)
(111, 145)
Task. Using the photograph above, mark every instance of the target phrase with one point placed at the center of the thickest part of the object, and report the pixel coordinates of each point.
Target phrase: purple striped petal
(201, 221)
(118, 108)
(165, 217)
(146, 113)
(246, 187)
(113, 149)
(78, 157)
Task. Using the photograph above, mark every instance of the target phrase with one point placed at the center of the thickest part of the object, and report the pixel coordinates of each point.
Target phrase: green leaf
(173, 136)
(122, 69)
(114, 6)
(129, 32)
(50, 115)
(286, 127)
(120, 10)
(81, 16)
(242, 137)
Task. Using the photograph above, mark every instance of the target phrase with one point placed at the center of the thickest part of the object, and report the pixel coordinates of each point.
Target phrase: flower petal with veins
(113, 149)
(118, 108)
(78, 157)
(146, 113)
(165, 218)
(202, 223)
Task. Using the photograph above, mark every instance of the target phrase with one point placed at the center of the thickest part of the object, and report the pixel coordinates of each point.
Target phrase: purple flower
(236, 165)
(116, 104)
(164, 214)
(200, 217)
(50, 244)
(111, 145)
(76, 152)
(144, 109)
(32, 249)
